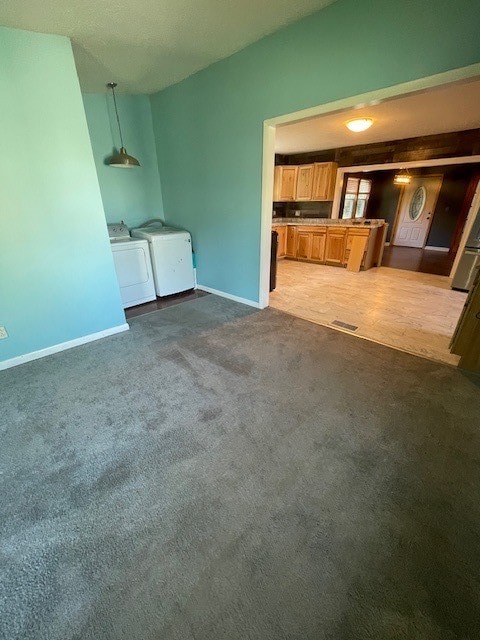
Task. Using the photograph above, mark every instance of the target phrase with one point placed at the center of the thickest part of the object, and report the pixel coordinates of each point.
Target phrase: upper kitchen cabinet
(324, 176)
(304, 182)
(285, 183)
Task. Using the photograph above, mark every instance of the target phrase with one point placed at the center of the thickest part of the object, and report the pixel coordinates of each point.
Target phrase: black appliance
(273, 261)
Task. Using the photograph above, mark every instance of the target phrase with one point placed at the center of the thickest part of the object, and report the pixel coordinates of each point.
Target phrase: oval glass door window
(417, 203)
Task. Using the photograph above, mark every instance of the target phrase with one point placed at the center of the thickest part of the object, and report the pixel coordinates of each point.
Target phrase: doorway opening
(392, 282)
(426, 217)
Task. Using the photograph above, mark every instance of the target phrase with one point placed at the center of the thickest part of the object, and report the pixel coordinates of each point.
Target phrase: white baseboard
(229, 296)
(41, 353)
(437, 248)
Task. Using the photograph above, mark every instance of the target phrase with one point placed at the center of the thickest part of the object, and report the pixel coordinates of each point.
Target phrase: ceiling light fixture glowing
(359, 124)
(403, 178)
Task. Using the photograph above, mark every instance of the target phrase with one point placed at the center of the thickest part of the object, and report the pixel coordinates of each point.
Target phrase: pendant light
(120, 159)
(403, 178)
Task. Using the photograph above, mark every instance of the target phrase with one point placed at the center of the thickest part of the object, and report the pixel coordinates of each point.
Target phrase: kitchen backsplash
(305, 209)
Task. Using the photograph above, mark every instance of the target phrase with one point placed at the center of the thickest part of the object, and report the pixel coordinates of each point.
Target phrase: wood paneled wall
(444, 145)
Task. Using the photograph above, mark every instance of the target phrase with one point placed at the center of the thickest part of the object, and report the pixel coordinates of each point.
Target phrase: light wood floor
(414, 312)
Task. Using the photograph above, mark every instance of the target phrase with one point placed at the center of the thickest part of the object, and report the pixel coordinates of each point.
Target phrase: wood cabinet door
(282, 241)
(320, 181)
(324, 176)
(303, 244)
(335, 247)
(319, 240)
(351, 234)
(304, 183)
(290, 243)
(285, 183)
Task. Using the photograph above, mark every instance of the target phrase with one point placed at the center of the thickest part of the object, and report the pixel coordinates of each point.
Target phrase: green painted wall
(208, 128)
(132, 195)
(57, 280)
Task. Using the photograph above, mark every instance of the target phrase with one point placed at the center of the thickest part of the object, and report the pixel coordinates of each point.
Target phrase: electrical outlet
(3, 333)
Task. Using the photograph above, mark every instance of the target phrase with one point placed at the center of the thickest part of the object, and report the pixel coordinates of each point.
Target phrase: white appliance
(132, 266)
(171, 253)
(470, 261)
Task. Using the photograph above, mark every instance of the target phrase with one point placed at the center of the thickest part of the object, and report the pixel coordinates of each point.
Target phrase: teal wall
(208, 128)
(132, 195)
(57, 280)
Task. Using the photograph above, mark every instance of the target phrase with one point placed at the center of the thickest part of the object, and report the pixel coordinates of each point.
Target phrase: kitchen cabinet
(285, 183)
(335, 245)
(372, 256)
(282, 240)
(290, 250)
(330, 244)
(324, 177)
(317, 249)
(303, 244)
(351, 234)
(304, 183)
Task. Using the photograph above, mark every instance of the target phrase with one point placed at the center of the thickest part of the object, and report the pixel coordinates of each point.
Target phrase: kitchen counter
(342, 243)
(367, 224)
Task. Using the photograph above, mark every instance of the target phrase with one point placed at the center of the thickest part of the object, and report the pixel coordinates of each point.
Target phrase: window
(356, 197)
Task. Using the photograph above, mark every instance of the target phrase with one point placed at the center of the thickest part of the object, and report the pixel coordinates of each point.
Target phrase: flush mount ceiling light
(402, 178)
(120, 159)
(359, 124)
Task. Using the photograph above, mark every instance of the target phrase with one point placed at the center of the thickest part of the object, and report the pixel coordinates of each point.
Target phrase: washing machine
(171, 254)
(133, 266)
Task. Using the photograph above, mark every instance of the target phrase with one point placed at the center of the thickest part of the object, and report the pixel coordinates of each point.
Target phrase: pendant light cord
(112, 86)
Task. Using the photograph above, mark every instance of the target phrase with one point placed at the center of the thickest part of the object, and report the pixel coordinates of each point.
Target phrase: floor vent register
(344, 325)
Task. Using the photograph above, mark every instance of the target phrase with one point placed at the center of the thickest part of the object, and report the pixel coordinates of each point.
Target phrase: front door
(416, 210)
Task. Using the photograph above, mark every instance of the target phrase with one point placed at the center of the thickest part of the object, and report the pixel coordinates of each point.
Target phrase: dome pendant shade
(123, 160)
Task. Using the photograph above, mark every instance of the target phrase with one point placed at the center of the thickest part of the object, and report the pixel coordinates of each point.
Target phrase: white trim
(266, 219)
(472, 215)
(229, 296)
(430, 248)
(421, 84)
(62, 346)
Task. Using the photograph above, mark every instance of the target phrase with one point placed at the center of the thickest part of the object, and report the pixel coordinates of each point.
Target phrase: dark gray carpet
(221, 473)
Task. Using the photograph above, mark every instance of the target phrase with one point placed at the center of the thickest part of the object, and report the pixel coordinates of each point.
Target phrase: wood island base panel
(336, 245)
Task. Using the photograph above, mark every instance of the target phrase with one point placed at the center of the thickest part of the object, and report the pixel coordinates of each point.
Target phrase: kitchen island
(357, 245)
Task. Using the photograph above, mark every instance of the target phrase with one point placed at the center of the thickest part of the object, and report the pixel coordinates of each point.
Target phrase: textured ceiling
(146, 45)
(451, 108)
